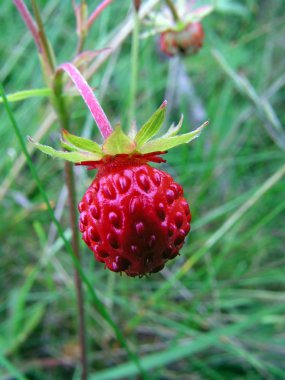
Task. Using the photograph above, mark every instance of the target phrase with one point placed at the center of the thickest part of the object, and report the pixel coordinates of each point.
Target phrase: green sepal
(165, 143)
(118, 143)
(173, 129)
(68, 156)
(151, 127)
(198, 14)
(81, 143)
(69, 147)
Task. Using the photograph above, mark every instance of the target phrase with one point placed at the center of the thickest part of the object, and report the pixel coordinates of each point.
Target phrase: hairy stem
(88, 96)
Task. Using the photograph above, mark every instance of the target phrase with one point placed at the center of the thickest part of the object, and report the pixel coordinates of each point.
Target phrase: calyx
(144, 144)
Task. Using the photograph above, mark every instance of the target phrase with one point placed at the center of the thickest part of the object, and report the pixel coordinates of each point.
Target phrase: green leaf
(82, 143)
(118, 142)
(152, 126)
(165, 143)
(68, 156)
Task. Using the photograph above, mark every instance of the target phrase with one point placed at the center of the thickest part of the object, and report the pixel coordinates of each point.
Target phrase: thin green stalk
(70, 183)
(59, 105)
(173, 10)
(64, 121)
(100, 306)
(43, 38)
(134, 68)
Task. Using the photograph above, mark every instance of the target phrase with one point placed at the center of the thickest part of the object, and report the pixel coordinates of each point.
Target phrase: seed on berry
(160, 211)
(89, 197)
(156, 179)
(81, 227)
(134, 249)
(152, 241)
(115, 219)
(171, 230)
(113, 241)
(93, 234)
(81, 206)
(179, 240)
(84, 218)
(170, 196)
(109, 191)
(123, 183)
(140, 229)
(143, 182)
(178, 219)
(100, 252)
(95, 211)
(135, 205)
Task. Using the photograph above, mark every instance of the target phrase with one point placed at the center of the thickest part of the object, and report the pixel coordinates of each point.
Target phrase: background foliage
(215, 312)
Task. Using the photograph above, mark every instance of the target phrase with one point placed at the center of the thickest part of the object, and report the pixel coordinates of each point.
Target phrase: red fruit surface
(188, 41)
(134, 217)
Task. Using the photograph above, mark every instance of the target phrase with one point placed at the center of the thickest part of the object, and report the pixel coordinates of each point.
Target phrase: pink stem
(89, 98)
(29, 21)
(96, 12)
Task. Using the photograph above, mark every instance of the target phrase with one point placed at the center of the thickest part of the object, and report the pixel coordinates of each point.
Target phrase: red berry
(133, 216)
(188, 41)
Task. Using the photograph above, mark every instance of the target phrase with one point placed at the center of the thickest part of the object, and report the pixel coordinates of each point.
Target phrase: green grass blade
(27, 94)
(178, 351)
(5, 363)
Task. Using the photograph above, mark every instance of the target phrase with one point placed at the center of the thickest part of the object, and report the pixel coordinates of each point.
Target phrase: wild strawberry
(187, 41)
(179, 27)
(133, 216)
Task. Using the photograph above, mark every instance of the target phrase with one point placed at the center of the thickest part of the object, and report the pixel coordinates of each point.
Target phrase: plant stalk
(42, 36)
(173, 10)
(94, 297)
(70, 184)
(134, 68)
(59, 105)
